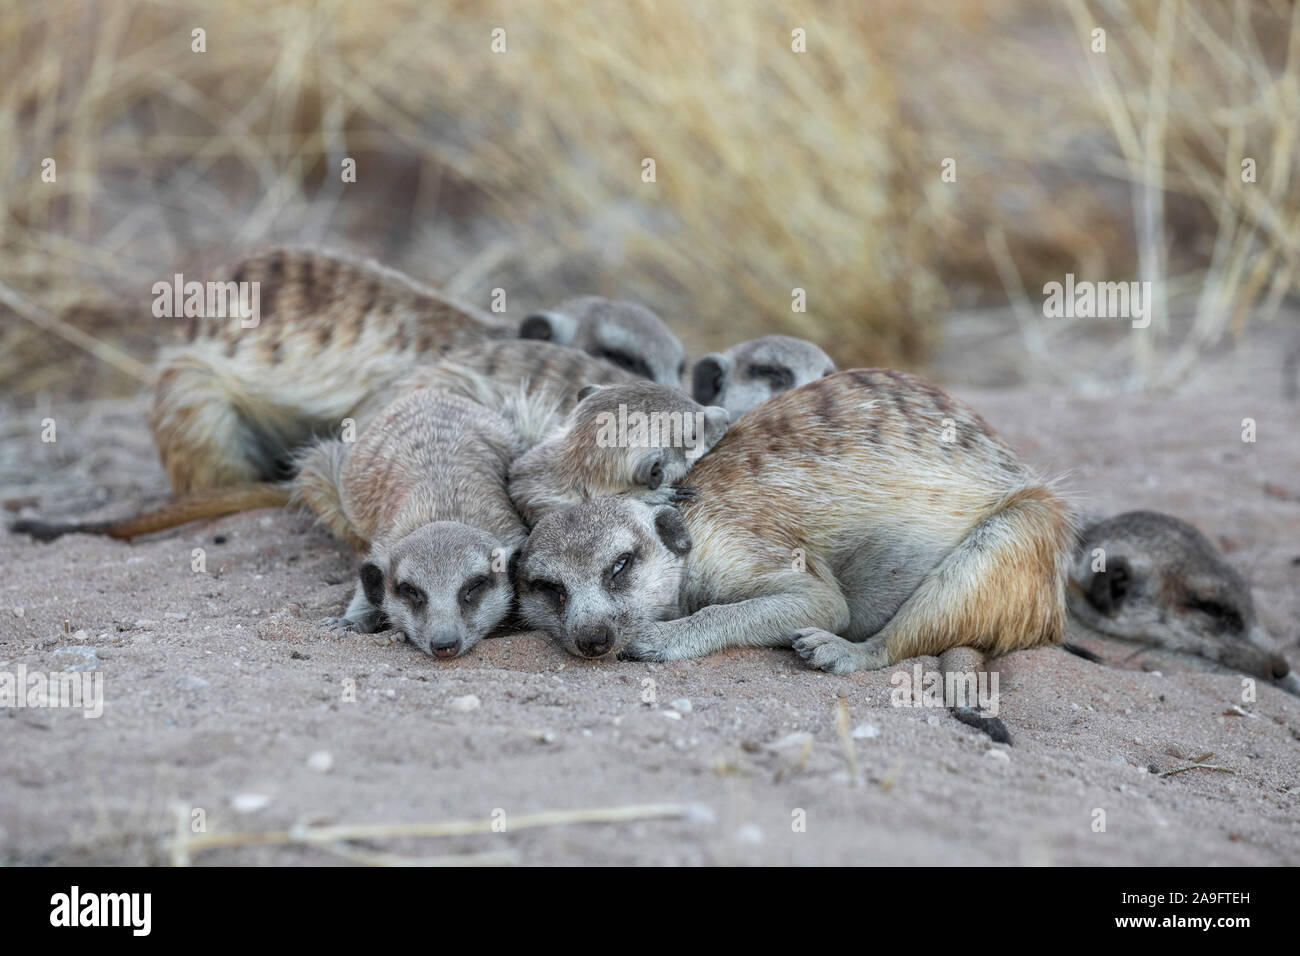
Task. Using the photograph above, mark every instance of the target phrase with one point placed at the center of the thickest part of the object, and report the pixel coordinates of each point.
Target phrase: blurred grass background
(775, 170)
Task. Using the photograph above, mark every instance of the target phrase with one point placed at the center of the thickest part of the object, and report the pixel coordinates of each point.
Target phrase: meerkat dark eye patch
(587, 391)
(536, 326)
(625, 360)
(1222, 615)
(708, 380)
(553, 591)
(1109, 588)
(779, 377)
(473, 590)
(617, 573)
(411, 595)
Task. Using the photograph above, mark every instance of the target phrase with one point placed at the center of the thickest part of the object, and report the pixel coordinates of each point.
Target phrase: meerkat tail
(961, 667)
(1002, 588)
(212, 503)
(1083, 652)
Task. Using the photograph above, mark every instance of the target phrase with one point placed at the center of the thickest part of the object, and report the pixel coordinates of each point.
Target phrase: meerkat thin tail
(1000, 589)
(962, 669)
(202, 504)
(1083, 652)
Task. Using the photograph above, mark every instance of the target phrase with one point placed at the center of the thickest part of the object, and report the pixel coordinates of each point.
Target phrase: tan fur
(862, 452)
(231, 402)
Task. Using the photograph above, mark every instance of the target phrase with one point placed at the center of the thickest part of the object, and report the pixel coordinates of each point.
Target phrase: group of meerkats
(858, 517)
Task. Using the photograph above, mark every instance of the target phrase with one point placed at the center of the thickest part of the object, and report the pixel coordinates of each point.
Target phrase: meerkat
(623, 333)
(861, 519)
(1154, 580)
(534, 385)
(424, 491)
(333, 335)
(640, 438)
(231, 403)
(754, 371)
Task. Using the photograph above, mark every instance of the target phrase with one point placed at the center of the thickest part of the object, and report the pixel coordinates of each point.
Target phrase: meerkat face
(625, 334)
(1152, 579)
(640, 437)
(445, 586)
(590, 574)
(752, 372)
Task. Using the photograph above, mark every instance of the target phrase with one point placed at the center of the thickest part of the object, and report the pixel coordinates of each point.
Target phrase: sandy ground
(223, 694)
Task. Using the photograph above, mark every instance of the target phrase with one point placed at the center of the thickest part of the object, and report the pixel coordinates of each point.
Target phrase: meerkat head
(445, 586)
(622, 333)
(1152, 579)
(591, 573)
(752, 372)
(639, 438)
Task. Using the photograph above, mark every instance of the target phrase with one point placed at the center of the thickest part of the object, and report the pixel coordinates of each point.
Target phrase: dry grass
(775, 169)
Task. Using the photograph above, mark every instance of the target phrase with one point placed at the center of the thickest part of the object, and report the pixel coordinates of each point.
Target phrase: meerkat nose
(445, 648)
(594, 641)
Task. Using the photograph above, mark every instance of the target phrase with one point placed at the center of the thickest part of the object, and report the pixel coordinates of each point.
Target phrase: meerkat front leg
(364, 612)
(767, 621)
(837, 655)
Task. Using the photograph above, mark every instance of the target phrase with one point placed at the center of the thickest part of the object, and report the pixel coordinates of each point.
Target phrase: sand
(223, 694)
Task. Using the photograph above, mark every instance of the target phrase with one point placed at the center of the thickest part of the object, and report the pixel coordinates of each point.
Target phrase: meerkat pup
(332, 337)
(862, 519)
(625, 334)
(754, 371)
(1153, 580)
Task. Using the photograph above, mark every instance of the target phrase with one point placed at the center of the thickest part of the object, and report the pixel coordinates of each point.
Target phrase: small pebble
(997, 753)
(322, 761)
(867, 731)
(682, 705)
(190, 682)
(249, 802)
(464, 704)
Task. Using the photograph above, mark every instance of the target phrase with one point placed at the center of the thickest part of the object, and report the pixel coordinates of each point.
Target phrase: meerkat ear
(672, 530)
(1108, 589)
(549, 327)
(709, 378)
(372, 582)
(587, 390)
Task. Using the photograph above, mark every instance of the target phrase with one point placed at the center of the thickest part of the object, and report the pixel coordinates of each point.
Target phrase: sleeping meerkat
(625, 334)
(1153, 580)
(534, 385)
(862, 519)
(232, 403)
(754, 371)
(424, 490)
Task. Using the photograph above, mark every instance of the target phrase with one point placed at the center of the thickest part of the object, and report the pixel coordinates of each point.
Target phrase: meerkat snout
(1152, 579)
(590, 575)
(445, 586)
(752, 372)
(625, 334)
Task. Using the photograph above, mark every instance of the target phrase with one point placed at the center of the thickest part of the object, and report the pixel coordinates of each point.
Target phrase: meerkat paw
(366, 624)
(835, 655)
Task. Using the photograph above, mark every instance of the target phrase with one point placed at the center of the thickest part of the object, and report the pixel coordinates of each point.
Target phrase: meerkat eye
(1221, 614)
(655, 476)
(778, 377)
(474, 589)
(635, 365)
(621, 564)
(549, 589)
(411, 595)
